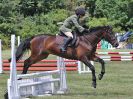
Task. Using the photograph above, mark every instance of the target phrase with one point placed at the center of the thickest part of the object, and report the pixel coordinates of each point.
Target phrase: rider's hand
(86, 31)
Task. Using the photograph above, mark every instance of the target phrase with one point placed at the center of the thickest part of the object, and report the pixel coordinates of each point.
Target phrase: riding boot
(67, 40)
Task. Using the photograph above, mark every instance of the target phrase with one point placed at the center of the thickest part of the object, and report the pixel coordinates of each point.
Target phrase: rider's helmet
(80, 11)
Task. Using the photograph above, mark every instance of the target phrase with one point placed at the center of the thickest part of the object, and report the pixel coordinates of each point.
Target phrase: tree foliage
(32, 17)
(118, 12)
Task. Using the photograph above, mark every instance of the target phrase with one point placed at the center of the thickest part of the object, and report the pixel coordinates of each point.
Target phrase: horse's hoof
(6, 95)
(100, 76)
(19, 78)
(94, 84)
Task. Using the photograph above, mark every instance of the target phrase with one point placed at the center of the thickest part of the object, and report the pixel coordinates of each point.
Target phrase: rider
(69, 23)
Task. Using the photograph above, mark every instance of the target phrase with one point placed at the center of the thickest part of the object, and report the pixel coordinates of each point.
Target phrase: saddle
(74, 43)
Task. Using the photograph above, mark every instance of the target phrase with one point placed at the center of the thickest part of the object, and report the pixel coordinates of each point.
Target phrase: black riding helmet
(80, 11)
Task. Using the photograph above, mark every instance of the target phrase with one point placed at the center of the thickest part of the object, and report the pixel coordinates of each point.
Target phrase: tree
(116, 11)
(28, 7)
(32, 7)
(7, 17)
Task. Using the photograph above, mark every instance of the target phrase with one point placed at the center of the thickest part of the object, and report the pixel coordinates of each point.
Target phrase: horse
(43, 45)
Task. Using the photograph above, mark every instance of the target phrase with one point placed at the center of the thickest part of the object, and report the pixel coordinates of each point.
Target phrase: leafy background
(31, 17)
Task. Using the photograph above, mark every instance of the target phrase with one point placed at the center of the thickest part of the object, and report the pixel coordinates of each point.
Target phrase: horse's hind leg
(31, 60)
(27, 63)
(86, 61)
(97, 59)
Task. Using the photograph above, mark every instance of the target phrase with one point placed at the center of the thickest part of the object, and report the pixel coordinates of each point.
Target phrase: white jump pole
(18, 40)
(1, 67)
(62, 69)
(12, 82)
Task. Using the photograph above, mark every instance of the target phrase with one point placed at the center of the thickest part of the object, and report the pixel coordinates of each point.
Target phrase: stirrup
(63, 50)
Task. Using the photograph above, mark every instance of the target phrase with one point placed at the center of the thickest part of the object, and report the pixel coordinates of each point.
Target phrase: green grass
(116, 84)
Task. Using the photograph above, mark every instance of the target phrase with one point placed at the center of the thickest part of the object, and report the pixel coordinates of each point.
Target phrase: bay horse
(43, 45)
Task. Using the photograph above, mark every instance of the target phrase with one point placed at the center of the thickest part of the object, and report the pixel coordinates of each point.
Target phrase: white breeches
(68, 34)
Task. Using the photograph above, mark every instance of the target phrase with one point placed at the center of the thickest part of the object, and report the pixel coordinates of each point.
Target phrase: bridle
(103, 35)
(108, 31)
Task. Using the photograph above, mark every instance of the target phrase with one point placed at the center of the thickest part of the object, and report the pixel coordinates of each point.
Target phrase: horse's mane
(93, 29)
(43, 34)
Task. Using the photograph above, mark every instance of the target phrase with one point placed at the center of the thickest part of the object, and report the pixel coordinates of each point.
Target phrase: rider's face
(81, 16)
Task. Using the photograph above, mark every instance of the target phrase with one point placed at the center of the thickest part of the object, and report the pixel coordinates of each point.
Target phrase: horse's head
(110, 36)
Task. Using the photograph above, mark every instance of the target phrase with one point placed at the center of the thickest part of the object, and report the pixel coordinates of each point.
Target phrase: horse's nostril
(116, 45)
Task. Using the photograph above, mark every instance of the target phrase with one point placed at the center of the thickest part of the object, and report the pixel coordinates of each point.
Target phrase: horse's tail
(25, 45)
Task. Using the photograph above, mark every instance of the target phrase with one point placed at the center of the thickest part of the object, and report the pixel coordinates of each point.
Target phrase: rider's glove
(86, 31)
(85, 26)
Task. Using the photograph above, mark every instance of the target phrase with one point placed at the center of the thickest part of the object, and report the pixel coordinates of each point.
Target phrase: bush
(5, 41)
(42, 24)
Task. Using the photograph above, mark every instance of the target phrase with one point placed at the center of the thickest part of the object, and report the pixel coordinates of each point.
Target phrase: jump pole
(18, 40)
(12, 82)
(1, 67)
(62, 70)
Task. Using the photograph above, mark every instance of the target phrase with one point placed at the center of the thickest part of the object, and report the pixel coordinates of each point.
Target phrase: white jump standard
(1, 67)
(35, 84)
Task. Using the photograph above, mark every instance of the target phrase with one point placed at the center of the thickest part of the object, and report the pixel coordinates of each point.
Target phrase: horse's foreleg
(86, 61)
(97, 59)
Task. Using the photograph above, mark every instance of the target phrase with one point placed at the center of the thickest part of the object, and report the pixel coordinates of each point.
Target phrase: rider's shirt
(72, 22)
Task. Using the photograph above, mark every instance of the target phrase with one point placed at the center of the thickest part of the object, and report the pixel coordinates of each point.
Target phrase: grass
(116, 84)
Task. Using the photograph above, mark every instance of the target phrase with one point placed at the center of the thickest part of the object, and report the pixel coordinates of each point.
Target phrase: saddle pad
(60, 41)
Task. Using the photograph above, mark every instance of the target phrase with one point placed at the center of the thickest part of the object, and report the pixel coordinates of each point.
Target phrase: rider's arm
(76, 24)
(84, 20)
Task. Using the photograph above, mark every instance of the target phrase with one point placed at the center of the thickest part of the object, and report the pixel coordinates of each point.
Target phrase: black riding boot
(67, 40)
